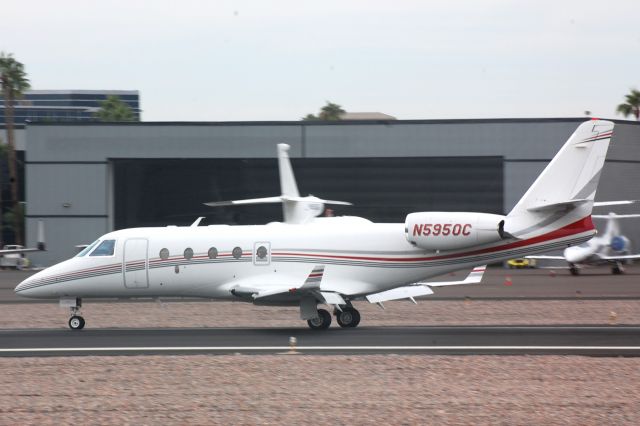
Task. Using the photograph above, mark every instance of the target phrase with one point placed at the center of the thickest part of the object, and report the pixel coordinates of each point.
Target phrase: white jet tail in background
(295, 209)
(563, 195)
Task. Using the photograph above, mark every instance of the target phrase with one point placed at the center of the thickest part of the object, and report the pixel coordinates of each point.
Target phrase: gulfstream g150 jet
(306, 261)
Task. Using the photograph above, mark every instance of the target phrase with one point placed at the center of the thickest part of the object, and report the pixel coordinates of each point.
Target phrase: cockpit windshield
(87, 249)
(105, 248)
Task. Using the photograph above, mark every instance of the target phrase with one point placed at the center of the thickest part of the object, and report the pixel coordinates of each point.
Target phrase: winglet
(474, 277)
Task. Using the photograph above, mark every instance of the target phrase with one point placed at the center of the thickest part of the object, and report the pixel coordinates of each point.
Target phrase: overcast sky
(281, 59)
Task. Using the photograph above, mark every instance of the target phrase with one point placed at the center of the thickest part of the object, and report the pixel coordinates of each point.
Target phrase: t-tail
(561, 199)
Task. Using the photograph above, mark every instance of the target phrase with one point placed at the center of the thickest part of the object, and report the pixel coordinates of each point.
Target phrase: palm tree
(113, 109)
(632, 106)
(331, 111)
(13, 82)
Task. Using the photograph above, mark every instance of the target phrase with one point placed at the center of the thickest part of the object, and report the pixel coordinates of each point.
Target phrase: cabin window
(87, 249)
(164, 254)
(261, 252)
(237, 252)
(188, 253)
(105, 248)
(213, 253)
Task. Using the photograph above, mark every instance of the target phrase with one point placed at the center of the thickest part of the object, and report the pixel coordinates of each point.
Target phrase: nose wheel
(76, 322)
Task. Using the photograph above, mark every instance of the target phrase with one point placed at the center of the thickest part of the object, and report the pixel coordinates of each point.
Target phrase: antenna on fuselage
(295, 209)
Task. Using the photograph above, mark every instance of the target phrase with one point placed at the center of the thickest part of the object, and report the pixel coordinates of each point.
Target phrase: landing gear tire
(348, 318)
(76, 322)
(321, 322)
(617, 270)
(573, 269)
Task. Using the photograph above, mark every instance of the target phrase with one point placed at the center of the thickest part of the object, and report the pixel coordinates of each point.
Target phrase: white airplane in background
(307, 261)
(609, 248)
(40, 246)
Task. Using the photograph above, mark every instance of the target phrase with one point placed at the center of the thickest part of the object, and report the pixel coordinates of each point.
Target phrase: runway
(476, 340)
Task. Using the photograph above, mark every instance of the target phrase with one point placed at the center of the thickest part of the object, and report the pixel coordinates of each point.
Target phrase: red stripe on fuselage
(578, 227)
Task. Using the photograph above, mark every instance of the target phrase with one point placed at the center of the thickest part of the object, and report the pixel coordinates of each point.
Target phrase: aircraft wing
(261, 292)
(40, 247)
(613, 203)
(542, 257)
(424, 289)
(623, 257)
(16, 251)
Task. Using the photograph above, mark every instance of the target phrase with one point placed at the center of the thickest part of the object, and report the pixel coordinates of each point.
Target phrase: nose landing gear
(76, 322)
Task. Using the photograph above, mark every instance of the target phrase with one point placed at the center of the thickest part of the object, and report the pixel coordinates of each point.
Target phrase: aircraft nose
(572, 255)
(29, 287)
(22, 287)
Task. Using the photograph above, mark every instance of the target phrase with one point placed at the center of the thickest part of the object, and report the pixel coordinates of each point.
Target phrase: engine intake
(453, 230)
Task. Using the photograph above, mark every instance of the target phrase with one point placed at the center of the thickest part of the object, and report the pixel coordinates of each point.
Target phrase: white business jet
(309, 260)
(610, 248)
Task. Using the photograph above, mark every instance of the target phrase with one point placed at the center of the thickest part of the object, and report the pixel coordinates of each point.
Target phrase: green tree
(13, 82)
(113, 109)
(632, 106)
(330, 112)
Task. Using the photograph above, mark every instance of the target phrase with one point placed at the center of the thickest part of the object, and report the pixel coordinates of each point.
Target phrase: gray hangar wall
(87, 179)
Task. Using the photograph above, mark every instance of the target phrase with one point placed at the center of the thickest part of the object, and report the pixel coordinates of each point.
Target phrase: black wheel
(616, 270)
(349, 317)
(321, 322)
(573, 269)
(76, 322)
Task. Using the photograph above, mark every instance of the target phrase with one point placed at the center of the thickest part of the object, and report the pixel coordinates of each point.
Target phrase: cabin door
(135, 263)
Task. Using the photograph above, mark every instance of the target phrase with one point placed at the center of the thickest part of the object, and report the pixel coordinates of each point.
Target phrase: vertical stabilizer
(288, 184)
(564, 192)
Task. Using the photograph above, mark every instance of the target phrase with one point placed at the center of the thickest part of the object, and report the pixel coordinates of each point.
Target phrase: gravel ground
(306, 389)
(229, 314)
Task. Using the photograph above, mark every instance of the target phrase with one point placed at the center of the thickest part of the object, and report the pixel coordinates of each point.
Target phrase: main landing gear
(347, 317)
(617, 269)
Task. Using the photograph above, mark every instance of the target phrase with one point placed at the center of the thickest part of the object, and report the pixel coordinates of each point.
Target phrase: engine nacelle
(620, 243)
(453, 230)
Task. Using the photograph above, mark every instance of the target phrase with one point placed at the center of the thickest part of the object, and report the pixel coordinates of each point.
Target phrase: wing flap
(405, 292)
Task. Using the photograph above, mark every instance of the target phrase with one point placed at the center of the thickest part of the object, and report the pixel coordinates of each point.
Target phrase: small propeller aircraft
(611, 247)
(307, 260)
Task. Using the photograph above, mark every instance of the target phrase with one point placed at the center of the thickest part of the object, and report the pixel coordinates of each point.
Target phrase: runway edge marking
(319, 348)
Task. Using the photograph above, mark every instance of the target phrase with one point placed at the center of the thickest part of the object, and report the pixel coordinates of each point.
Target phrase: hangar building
(86, 179)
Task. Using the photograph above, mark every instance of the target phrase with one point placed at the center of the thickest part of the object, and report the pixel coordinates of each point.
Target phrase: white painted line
(324, 348)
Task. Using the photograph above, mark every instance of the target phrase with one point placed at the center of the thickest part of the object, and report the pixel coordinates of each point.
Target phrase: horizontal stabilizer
(265, 200)
(615, 216)
(614, 203)
(558, 206)
(622, 257)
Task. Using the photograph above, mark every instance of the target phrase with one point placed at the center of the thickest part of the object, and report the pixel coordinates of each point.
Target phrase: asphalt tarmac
(498, 284)
(478, 340)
